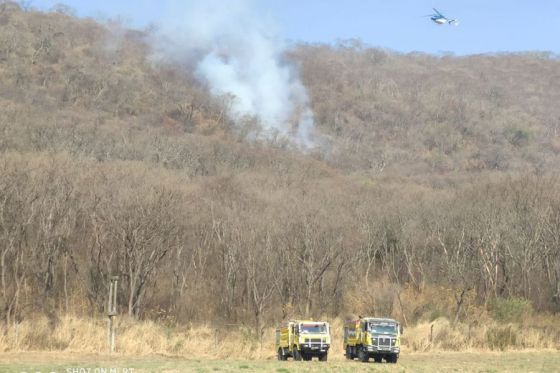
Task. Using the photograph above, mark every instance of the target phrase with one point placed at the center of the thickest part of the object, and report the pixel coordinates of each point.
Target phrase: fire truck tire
(377, 359)
(297, 355)
(349, 355)
(362, 355)
(323, 357)
(392, 359)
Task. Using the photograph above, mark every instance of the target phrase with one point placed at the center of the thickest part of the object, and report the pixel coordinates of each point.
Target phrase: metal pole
(111, 313)
(116, 280)
(110, 320)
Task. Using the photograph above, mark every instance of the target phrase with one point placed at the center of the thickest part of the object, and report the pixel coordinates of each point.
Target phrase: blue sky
(487, 26)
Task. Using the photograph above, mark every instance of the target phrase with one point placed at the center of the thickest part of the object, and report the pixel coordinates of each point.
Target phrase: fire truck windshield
(313, 328)
(383, 328)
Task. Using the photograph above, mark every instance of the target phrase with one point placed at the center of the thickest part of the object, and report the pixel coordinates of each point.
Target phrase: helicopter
(440, 19)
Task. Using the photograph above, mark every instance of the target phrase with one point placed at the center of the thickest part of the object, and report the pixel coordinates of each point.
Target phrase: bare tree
(143, 226)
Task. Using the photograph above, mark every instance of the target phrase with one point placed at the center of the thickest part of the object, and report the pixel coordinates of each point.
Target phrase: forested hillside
(434, 190)
(418, 114)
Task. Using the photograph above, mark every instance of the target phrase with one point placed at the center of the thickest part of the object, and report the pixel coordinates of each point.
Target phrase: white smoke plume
(236, 52)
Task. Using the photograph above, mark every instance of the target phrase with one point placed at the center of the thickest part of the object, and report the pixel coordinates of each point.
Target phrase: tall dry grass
(74, 334)
(440, 334)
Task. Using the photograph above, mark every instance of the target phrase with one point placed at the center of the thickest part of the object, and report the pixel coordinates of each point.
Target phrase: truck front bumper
(314, 348)
(383, 349)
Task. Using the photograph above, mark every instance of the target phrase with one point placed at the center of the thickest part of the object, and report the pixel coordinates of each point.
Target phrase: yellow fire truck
(370, 337)
(303, 340)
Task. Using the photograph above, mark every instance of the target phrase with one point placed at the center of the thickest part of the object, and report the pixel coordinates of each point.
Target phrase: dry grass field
(148, 338)
(534, 361)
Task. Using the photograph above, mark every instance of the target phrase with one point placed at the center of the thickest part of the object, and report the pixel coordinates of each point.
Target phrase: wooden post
(431, 333)
(16, 326)
(112, 312)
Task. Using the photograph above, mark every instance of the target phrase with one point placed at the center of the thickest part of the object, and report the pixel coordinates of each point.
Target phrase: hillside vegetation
(418, 114)
(434, 193)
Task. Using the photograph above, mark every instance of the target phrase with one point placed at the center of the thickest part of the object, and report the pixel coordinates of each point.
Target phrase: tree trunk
(460, 300)
(65, 282)
(3, 272)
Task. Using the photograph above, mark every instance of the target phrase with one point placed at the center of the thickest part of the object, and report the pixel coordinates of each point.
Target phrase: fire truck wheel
(362, 356)
(297, 355)
(323, 357)
(349, 355)
(377, 359)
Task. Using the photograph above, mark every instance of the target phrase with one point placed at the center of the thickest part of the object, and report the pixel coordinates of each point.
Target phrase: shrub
(500, 338)
(517, 137)
(510, 309)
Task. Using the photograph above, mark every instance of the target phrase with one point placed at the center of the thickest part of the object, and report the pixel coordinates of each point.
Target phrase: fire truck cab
(303, 340)
(370, 337)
